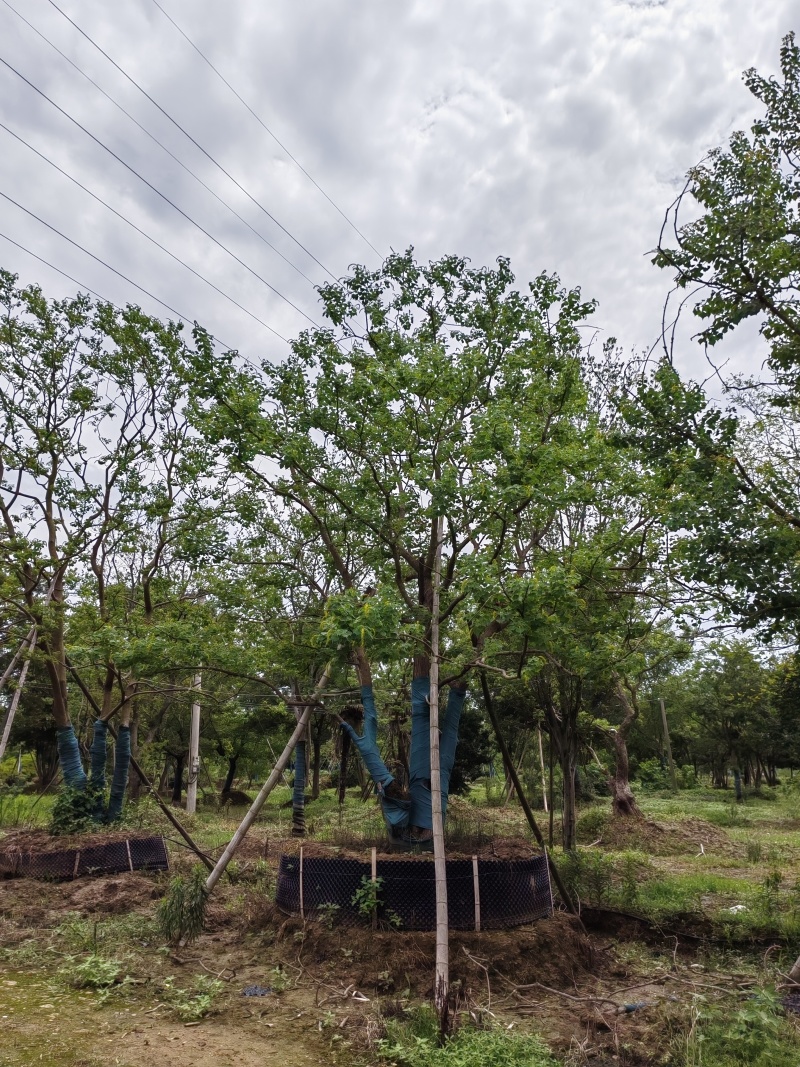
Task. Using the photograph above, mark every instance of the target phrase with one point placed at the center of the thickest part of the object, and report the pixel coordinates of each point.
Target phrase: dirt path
(40, 1024)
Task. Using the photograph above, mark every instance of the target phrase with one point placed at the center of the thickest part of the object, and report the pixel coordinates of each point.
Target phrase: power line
(94, 292)
(264, 126)
(158, 192)
(119, 215)
(160, 144)
(197, 144)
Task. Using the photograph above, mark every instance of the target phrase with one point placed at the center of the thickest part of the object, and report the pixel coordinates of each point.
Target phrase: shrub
(73, 811)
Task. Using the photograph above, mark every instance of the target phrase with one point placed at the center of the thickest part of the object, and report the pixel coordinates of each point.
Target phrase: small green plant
(770, 893)
(756, 1035)
(93, 972)
(191, 1005)
(588, 874)
(180, 914)
(73, 812)
(328, 913)
(754, 851)
(366, 897)
(629, 870)
(278, 980)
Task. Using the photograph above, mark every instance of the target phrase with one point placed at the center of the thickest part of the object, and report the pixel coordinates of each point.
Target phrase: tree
(440, 392)
(98, 484)
(733, 474)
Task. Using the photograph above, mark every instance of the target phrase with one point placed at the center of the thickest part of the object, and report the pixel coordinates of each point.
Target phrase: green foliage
(468, 1047)
(755, 1035)
(93, 972)
(193, 1004)
(367, 897)
(328, 913)
(181, 913)
(73, 811)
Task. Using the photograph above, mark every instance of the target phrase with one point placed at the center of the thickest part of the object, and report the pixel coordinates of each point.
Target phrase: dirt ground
(609, 992)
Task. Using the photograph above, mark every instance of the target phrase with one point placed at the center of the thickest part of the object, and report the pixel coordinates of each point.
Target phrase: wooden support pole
(302, 901)
(267, 787)
(672, 777)
(194, 751)
(442, 982)
(477, 892)
(375, 884)
(541, 764)
(12, 711)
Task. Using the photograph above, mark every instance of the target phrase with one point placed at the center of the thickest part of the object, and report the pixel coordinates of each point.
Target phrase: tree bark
(623, 802)
(227, 785)
(177, 785)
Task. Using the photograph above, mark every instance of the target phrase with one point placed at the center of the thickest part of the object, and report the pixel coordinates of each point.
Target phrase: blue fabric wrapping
(419, 778)
(419, 784)
(97, 779)
(69, 756)
(395, 810)
(299, 792)
(119, 783)
(449, 739)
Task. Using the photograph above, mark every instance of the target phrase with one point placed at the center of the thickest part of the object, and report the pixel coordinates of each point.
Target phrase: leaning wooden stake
(12, 711)
(501, 744)
(10, 668)
(266, 788)
(673, 780)
(442, 983)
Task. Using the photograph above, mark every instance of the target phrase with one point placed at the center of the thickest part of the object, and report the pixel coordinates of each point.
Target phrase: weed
(328, 914)
(191, 1004)
(180, 914)
(366, 897)
(754, 851)
(468, 1047)
(278, 980)
(73, 811)
(755, 1036)
(93, 972)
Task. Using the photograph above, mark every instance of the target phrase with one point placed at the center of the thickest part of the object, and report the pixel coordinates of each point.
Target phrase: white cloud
(554, 133)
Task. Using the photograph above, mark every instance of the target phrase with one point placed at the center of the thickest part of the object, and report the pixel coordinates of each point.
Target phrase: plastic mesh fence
(114, 857)
(510, 892)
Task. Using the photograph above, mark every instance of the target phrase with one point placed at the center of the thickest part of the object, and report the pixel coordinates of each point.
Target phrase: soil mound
(620, 833)
(553, 951)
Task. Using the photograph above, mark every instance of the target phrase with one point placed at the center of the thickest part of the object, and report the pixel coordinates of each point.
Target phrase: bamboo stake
(267, 787)
(194, 751)
(10, 668)
(541, 764)
(672, 778)
(442, 984)
(374, 881)
(12, 711)
(477, 892)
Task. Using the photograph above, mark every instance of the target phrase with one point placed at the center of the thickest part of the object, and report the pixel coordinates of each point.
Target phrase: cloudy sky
(555, 132)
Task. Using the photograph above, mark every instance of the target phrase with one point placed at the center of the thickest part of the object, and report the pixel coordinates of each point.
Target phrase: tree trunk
(227, 785)
(177, 785)
(299, 792)
(623, 802)
(569, 814)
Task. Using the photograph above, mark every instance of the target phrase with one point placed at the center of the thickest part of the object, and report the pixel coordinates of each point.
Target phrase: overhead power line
(158, 192)
(264, 126)
(86, 288)
(160, 144)
(128, 222)
(186, 134)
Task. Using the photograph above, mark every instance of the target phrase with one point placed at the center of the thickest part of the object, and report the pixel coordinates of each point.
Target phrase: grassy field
(692, 916)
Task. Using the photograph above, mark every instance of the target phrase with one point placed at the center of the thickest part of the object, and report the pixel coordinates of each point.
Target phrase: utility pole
(194, 751)
(672, 778)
